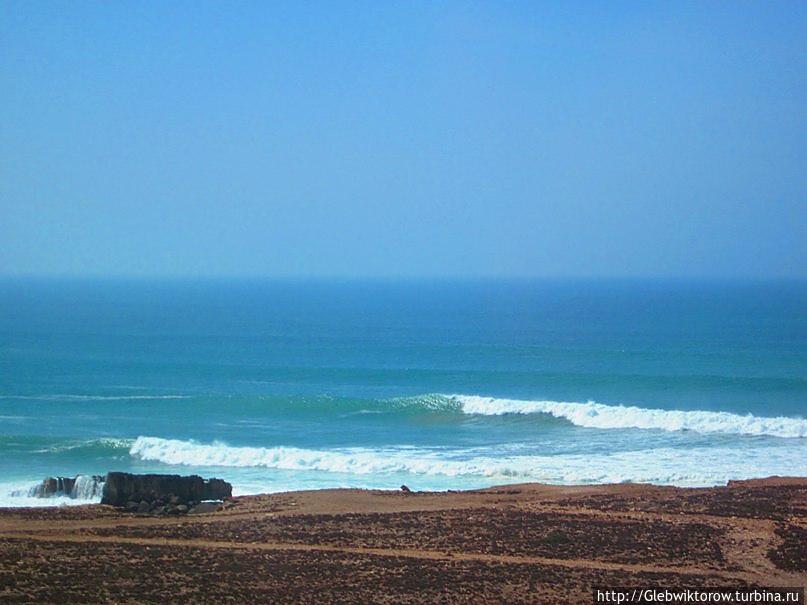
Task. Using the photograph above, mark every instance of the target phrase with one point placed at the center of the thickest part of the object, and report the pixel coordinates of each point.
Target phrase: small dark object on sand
(406, 490)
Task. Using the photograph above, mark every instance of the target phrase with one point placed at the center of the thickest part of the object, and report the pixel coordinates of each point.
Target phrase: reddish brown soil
(518, 544)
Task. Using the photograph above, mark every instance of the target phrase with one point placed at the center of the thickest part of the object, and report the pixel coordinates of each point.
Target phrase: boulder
(204, 508)
(120, 488)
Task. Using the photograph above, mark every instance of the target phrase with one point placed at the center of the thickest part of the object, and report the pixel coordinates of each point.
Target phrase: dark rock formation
(161, 494)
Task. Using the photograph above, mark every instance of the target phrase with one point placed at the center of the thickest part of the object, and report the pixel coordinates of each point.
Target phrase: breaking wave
(348, 460)
(669, 466)
(601, 416)
(594, 415)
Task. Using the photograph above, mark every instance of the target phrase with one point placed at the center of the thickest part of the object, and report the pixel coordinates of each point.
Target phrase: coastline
(515, 543)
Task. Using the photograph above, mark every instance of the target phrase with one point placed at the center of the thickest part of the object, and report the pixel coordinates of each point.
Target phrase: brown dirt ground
(517, 544)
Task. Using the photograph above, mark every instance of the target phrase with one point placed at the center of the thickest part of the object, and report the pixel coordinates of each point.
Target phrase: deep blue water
(280, 385)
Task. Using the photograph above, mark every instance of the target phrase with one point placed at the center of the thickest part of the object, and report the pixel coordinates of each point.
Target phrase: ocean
(453, 384)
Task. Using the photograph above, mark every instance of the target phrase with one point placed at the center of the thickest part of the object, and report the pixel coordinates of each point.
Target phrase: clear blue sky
(403, 138)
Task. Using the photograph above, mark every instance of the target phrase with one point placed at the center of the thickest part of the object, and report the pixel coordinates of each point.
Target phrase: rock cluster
(163, 494)
(171, 505)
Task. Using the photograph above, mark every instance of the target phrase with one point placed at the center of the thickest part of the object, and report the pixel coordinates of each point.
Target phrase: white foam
(348, 460)
(601, 416)
(17, 494)
(699, 466)
(87, 487)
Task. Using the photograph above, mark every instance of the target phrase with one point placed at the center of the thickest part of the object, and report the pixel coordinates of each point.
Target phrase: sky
(403, 139)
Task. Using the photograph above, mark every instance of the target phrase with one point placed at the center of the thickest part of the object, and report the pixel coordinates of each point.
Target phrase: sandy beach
(520, 544)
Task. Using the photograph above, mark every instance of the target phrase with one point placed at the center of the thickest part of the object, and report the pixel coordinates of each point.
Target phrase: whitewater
(601, 416)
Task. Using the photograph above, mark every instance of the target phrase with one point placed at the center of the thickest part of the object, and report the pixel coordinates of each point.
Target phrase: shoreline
(63, 501)
(518, 543)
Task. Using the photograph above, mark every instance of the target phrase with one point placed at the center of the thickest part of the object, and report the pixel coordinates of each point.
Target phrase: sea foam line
(601, 416)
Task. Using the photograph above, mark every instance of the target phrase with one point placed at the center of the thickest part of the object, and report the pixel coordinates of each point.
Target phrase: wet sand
(518, 544)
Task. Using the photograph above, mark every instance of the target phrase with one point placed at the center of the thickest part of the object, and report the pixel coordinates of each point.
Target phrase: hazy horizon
(373, 141)
(380, 279)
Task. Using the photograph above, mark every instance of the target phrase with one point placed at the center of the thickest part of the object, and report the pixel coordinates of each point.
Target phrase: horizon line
(389, 277)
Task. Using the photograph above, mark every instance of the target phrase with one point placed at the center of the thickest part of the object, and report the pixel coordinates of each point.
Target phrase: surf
(601, 416)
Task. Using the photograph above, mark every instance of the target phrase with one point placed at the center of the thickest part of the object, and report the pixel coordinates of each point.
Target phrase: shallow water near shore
(437, 385)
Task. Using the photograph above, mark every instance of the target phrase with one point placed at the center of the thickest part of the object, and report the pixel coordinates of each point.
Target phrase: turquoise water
(438, 385)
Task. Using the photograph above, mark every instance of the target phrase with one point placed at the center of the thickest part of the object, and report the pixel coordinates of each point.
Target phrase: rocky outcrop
(161, 494)
(82, 487)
